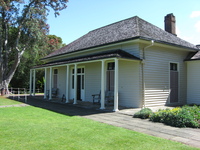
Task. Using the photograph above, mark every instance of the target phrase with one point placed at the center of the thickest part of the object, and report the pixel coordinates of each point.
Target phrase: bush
(178, 117)
(160, 115)
(143, 113)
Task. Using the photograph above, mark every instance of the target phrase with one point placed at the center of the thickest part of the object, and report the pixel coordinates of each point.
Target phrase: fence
(18, 93)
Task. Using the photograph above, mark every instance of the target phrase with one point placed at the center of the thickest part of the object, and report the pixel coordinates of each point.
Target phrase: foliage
(33, 128)
(54, 43)
(143, 113)
(21, 77)
(23, 23)
(186, 116)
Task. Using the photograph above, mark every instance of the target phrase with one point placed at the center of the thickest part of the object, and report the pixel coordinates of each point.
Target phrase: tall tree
(23, 23)
(20, 78)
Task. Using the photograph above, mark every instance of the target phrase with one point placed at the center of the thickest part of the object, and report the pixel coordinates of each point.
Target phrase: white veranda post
(75, 84)
(45, 83)
(102, 84)
(31, 82)
(34, 82)
(50, 84)
(116, 86)
(67, 84)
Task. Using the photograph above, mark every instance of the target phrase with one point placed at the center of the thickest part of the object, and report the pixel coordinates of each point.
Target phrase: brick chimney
(170, 24)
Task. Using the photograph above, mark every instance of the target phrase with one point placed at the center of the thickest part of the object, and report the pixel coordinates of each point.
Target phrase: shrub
(160, 115)
(179, 117)
(143, 113)
(194, 110)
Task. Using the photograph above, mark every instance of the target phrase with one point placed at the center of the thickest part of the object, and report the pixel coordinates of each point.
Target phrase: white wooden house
(142, 64)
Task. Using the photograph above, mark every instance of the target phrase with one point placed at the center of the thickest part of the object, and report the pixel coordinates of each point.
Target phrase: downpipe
(143, 77)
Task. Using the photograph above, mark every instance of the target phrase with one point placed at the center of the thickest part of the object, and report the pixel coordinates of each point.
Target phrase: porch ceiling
(96, 56)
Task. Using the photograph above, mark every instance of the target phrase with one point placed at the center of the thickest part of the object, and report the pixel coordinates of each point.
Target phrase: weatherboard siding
(129, 92)
(61, 81)
(92, 79)
(193, 82)
(157, 75)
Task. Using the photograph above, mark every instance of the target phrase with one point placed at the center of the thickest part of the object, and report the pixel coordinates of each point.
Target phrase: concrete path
(15, 105)
(187, 136)
(123, 119)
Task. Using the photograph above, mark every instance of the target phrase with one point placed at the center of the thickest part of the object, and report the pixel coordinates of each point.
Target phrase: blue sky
(82, 16)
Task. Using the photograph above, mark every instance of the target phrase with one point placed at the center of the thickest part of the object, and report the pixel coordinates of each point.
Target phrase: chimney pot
(170, 23)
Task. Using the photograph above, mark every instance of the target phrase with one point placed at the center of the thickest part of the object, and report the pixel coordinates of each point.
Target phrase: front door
(80, 83)
(174, 83)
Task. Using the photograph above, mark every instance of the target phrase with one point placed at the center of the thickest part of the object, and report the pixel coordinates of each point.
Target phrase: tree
(53, 43)
(20, 78)
(23, 23)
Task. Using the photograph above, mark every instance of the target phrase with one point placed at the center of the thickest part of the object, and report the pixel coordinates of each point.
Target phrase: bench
(54, 92)
(109, 97)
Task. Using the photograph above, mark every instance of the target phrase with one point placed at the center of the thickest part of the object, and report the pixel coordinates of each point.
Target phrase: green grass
(31, 128)
(4, 101)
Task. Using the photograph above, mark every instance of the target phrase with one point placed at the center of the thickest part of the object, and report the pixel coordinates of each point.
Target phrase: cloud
(192, 37)
(195, 14)
(197, 26)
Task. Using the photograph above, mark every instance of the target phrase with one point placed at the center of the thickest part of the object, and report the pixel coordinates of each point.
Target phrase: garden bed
(186, 116)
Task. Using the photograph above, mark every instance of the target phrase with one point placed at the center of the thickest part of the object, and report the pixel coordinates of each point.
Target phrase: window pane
(73, 71)
(83, 81)
(79, 70)
(72, 81)
(173, 66)
(111, 66)
(55, 71)
(55, 80)
(83, 70)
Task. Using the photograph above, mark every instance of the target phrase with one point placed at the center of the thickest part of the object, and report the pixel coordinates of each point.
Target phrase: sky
(82, 16)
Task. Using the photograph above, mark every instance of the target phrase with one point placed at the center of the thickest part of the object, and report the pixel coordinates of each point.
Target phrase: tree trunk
(5, 79)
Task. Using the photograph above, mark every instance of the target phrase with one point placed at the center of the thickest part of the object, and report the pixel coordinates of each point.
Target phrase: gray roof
(124, 30)
(193, 56)
(95, 56)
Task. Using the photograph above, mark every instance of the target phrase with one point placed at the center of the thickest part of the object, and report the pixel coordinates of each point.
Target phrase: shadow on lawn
(63, 108)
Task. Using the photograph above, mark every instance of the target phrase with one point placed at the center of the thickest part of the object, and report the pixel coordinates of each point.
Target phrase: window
(173, 67)
(55, 71)
(79, 70)
(82, 82)
(55, 78)
(72, 81)
(111, 66)
(110, 76)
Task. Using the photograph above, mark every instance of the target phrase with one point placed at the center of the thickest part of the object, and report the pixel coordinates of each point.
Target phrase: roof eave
(170, 44)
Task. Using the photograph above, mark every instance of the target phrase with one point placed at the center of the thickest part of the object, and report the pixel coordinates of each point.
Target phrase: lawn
(4, 101)
(32, 128)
